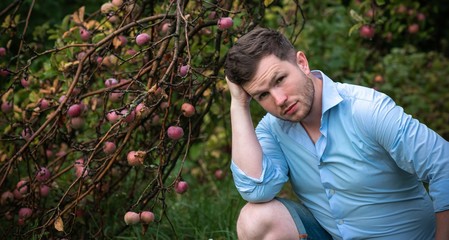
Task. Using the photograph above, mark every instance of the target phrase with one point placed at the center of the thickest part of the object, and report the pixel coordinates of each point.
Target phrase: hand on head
(238, 94)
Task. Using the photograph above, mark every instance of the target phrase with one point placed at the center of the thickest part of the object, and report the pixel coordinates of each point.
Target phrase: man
(355, 160)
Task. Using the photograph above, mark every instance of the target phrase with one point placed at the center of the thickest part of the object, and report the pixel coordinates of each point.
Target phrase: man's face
(282, 88)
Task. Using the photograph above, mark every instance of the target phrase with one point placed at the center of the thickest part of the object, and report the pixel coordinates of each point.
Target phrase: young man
(355, 160)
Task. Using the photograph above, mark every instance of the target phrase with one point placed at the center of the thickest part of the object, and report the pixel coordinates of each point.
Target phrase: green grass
(206, 211)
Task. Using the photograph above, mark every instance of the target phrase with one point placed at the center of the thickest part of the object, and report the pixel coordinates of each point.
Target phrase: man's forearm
(442, 232)
(246, 149)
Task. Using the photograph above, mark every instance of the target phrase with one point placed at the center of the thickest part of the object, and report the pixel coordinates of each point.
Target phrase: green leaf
(354, 28)
(267, 2)
(380, 2)
(34, 97)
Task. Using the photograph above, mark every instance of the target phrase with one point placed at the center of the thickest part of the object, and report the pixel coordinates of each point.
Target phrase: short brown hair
(243, 58)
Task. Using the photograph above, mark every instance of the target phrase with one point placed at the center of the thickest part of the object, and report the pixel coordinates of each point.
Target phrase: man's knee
(253, 215)
(259, 220)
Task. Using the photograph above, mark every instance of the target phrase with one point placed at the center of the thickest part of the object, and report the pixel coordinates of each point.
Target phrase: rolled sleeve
(440, 195)
(261, 189)
(274, 168)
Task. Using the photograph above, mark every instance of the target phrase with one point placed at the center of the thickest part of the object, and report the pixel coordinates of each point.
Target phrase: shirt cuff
(439, 191)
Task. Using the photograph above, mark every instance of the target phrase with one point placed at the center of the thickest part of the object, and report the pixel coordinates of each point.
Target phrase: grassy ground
(205, 211)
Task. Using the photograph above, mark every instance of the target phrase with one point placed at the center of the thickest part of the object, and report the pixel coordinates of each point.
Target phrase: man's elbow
(257, 197)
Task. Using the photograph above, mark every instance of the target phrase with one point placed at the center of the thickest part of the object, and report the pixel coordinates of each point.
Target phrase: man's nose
(279, 97)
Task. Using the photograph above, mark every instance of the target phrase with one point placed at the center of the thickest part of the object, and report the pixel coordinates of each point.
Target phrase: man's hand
(238, 94)
(442, 219)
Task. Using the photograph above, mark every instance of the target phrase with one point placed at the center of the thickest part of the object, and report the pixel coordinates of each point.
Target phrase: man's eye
(280, 79)
(263, 95)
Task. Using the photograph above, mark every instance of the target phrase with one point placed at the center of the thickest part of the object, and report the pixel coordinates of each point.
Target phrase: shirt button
(332, 192)
(340, 222)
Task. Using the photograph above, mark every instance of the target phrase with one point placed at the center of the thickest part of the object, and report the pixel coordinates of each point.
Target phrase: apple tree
(111, 109)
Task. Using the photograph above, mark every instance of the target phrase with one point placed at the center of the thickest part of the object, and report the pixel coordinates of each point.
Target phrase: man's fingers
(303, 236)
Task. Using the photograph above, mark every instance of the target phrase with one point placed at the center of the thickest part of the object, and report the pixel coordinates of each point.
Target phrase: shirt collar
(330, 98)
(330, 95)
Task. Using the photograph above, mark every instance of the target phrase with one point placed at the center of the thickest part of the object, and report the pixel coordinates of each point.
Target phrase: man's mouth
(289, 109)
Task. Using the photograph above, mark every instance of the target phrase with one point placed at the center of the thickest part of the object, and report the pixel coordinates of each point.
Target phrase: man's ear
(302, 62)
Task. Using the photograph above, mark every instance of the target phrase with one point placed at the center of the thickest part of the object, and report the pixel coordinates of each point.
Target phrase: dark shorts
(305, 221)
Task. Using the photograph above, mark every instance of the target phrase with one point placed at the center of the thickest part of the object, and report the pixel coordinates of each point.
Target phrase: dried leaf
(69, 32)
(6, 95)
(78, 16)
(355, 16)
(116, 42)
(92, 24)
(59, 224)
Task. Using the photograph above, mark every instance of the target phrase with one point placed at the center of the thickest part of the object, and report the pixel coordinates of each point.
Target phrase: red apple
(79, 163)
(25, 213)
(27, 133)
(421, 17)
(4, 72)
(165, 27)
(17, 194)
(6, 197)
(212, 15)
(146, 217)
(75, 110)
(22, 186)
(378, 78)
(225, 23)
(367, 31)
(401, 9)
(107, 7)
(135, 158)
(175, 132)
(112, 116)
(187, 109)
(43, 174)
(123, 40)
(24, 82)
(219, 174)
(44, 190)
(62, 98)
(110, 82)
(130, 52)
(155, 120)
(44, 104)
(109, 147)
(99, 60)
(413, 28)
(80, 55)
(116, 96)
(183, 70)
(142, 39)
(81, 172)
(131, 218)
(84, 34)
(140, 107)
(2, 51)
(77, 122)
(7, 107)
(130, 117)
(164, 105)
(181, 187)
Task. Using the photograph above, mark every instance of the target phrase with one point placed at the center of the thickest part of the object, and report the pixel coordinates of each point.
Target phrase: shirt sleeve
(274, 169)
(415, 148)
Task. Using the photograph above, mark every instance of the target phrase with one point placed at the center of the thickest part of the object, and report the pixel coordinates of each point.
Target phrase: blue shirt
(363, 177)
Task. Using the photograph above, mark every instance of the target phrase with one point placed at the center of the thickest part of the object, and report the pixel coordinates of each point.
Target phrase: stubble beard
(307, 101)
